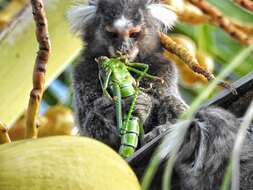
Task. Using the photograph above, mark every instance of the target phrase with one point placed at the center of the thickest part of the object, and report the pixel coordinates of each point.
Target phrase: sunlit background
(213, 47)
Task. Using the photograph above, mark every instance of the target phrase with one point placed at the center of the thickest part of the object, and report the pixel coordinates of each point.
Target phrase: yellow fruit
(187, 76)
(17, 131)
(185, 41)
(193, 15)
(57, 120)
(4, 137)
(205, 60)
(177, 4)
(60, 121)
(12, 9)
(57, 163)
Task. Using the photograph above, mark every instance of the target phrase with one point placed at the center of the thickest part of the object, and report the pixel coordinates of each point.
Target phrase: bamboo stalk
(4, 137)
(220, 20)
(247, 4)
(39, 68)
(189, 59)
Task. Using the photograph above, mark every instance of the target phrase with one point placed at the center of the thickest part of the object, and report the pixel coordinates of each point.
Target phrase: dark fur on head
(130, 26)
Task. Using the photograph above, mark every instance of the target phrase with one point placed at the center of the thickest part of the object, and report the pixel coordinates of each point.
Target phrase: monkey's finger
(143, 99)
(142, 113)
(103, 103)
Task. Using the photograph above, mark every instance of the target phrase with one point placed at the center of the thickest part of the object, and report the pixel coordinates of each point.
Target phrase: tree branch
(40, 67)
(247, 4)
(220, 20)
(183, 54)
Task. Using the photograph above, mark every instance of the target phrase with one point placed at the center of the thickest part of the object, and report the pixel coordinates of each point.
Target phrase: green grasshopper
(118, 78)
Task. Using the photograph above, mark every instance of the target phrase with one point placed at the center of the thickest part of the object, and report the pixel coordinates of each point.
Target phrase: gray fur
(206, 147)
(78, 16)
(95, 114)
(207, 144)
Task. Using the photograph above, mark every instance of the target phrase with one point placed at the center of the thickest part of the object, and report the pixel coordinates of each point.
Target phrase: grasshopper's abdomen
(127, 89)
(125, 80)
(129, 140)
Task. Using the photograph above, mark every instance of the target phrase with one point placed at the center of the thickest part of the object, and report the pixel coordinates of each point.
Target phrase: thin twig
(220, 20)
(246, 28)
(183, 54)
(40, 67)
(247, 4)
(191, 14)
(4, 137)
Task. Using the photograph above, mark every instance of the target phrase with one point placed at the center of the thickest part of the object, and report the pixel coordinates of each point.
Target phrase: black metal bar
(224, 98)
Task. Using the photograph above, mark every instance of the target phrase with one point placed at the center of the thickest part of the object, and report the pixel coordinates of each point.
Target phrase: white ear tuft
(164, 15)
(79, 16)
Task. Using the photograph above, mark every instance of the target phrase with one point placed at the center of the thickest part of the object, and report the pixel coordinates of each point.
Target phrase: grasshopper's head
(103, 61)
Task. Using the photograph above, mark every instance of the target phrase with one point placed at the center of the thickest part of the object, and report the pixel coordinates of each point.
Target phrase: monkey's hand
(143, 106)
(101, 122)
(171, 108)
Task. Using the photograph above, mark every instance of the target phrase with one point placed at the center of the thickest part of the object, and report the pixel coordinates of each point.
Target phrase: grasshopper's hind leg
(142, 73)
(140, 65)
(118, 107)
(131, 131)
(104, 83)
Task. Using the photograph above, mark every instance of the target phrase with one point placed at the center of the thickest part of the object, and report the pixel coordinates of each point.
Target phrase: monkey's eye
(111, 32)
(135, 32)
(135, 35)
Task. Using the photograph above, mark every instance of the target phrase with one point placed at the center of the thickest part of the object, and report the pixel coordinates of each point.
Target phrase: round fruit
(60, 121)
(193, 15)
(57, 120)
(177, 4)
(187, 76)
(17, 131)
(56, 163)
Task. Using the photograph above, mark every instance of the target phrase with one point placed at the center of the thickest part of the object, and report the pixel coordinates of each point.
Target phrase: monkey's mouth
(132, 50)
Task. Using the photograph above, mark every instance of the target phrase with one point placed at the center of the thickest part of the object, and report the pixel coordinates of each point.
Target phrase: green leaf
(17, 59)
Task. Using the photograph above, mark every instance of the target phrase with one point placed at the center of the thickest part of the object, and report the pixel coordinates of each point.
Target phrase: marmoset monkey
(206, 149)
(132, 26)
(129, 26)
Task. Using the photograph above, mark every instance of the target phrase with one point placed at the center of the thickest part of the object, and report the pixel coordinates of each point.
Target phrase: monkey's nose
(127, 32)
(125, 47)
(123, 34)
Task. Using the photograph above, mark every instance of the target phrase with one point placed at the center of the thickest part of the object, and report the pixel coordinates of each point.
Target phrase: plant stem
(40, 67)
(183, 54)
(247, 4)
(220, 20)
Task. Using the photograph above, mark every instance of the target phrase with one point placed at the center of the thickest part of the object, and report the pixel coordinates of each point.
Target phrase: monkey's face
(122, 25)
